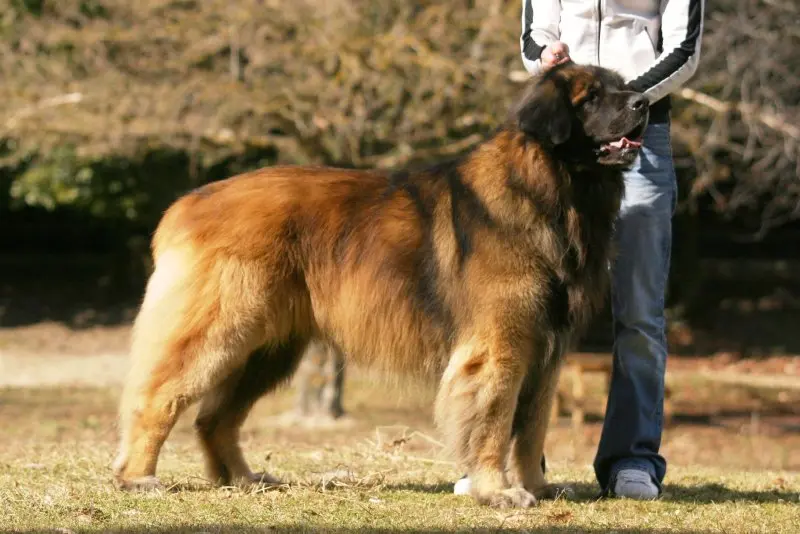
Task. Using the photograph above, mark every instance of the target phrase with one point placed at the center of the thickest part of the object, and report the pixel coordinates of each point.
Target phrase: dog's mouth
(621, 144)
(623, 150)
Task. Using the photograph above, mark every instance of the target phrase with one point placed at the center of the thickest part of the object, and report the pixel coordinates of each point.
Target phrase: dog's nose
(638, 103)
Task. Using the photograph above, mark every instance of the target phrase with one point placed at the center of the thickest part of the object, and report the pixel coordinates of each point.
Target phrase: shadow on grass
(699, 494)
(716, 493)
(301, 528)
(582, 491)
(441, 488)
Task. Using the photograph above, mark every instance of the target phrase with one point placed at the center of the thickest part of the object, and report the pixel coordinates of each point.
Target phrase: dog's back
(310, 252)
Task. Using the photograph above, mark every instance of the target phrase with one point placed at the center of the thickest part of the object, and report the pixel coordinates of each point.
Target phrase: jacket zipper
(599, 26)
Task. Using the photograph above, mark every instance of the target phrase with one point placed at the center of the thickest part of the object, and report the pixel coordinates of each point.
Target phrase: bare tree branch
(369, 83)
(751, 112)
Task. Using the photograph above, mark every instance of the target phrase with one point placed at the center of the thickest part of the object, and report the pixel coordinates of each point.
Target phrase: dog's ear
(544, 113)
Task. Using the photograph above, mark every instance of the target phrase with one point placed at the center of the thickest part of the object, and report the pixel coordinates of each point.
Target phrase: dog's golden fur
(475, 272)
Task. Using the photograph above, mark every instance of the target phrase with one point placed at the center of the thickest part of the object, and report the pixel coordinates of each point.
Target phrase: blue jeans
(631, 435)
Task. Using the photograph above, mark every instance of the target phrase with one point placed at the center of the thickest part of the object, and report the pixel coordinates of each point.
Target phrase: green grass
(56, 446)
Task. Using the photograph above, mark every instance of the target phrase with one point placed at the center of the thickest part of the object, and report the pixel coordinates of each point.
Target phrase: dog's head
(585, 112)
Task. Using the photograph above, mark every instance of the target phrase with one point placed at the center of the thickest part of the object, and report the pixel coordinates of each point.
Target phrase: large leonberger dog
(475, 272)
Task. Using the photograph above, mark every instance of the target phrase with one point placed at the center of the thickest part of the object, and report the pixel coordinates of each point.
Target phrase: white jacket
(653, 44)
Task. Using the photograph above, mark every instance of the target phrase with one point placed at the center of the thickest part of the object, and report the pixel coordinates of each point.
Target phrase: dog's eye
(591, 96)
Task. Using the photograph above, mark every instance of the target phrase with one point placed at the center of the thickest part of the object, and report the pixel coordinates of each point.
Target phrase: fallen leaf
(33, 466)
(566, 515)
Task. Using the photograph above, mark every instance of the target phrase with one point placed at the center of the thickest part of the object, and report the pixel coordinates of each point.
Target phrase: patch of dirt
(384, 422)
(19, 370)
(53, 354)
(49, 339)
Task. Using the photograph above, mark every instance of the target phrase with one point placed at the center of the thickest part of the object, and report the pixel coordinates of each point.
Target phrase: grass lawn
(380, 471)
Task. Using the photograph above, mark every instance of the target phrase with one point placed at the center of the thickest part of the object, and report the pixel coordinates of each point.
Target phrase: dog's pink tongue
(626, 143)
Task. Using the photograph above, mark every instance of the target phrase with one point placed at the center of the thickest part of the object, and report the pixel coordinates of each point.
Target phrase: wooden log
(578, 396)
(750, 381)
(578, 365)
(320, 382)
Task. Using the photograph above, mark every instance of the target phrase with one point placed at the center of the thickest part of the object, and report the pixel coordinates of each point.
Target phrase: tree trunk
(320, 380)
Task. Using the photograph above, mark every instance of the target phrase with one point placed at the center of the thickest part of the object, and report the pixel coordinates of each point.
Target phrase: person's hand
(555, 54)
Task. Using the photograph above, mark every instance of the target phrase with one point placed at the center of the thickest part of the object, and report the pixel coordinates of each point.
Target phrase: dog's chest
(578, 284)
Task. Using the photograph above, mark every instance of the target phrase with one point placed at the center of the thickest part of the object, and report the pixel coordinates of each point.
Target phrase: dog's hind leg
(532, 417)
(224, 409)
(474, 409)
(188, 337)
(154, 399)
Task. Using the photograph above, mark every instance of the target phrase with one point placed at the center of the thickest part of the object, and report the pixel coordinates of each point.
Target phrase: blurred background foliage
(110, 109)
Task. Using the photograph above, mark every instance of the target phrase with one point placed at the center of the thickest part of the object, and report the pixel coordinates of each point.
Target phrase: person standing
(655, 46)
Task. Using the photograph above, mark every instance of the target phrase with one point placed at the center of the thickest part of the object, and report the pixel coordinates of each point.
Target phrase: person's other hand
(555, 54)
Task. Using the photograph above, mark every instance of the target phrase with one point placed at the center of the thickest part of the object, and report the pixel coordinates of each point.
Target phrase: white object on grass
(463, 486)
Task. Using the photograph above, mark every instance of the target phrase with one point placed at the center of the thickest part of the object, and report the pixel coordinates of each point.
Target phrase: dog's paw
(555, 491)
(264, 479)
(509, 498)
(258, 480)
(148, 483)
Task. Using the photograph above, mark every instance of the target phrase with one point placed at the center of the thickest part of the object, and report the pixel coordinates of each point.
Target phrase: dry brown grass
(381, 471)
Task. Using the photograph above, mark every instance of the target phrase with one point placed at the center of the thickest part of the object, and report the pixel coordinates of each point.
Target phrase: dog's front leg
(474, 409)
(532, 417)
